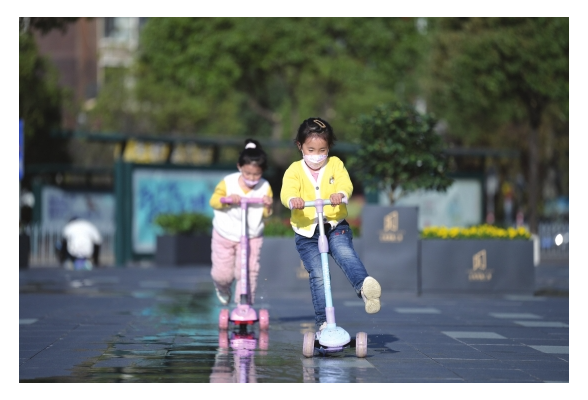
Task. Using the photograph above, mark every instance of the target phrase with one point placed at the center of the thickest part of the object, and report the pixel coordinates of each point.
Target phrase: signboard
(459, 206)
(58, 206)
(140, 152)
(477, 266)
(157, 191)
(20, 149)
(389, 245)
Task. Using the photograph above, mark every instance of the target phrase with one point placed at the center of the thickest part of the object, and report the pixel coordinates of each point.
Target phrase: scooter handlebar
(229, 200)
(326, 202)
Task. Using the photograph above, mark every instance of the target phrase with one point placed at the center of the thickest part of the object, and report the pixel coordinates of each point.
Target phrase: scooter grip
(253, 199)
(229, 200)
(326, 202)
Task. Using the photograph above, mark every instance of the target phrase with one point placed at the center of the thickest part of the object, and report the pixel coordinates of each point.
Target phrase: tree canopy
(485, 72)
(40, 105)
(493, 82)
(45, 24)
(265, 75)
(488, 75)
(400, 150)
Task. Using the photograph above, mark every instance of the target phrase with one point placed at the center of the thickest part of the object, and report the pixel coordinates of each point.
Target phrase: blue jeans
(341, 250)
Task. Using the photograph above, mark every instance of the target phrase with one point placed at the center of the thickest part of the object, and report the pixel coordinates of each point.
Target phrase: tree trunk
(274, 118)
(533, 178)
(391, 195)
(535, 107)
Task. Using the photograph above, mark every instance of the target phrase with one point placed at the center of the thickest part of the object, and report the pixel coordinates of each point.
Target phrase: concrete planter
(389, 248)
(183, 250)
(476, 266)
(282, 269)
(24, 250)
(280, 266)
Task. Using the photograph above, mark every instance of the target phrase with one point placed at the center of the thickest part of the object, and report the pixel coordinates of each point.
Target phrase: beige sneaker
(223, 296)
(371, 292)
(317, 335)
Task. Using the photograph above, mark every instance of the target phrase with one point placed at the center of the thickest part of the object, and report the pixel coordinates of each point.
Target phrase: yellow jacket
(299, 182)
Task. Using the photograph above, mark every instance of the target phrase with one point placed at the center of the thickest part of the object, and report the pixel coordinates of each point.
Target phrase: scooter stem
(323, 245)
(244, 244)
(244, 253)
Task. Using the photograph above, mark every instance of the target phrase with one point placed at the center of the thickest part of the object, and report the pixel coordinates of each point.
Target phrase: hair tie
(320, 123)
(250, 145)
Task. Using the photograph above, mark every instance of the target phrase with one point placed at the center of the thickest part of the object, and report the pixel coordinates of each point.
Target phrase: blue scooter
(333, 338)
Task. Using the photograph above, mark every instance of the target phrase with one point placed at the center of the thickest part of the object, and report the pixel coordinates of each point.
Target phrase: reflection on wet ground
(185, 350)
(175, 340)
(162, 325)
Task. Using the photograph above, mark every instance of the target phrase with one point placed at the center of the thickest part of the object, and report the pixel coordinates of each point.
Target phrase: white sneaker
(317, 335)
(224, 297)
(371, 292)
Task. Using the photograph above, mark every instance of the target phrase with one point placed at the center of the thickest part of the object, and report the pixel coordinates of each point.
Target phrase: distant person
(318, 175)
(226, 232)
(80, 243)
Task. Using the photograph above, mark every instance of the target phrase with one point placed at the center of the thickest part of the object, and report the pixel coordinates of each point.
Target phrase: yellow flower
(482, 231)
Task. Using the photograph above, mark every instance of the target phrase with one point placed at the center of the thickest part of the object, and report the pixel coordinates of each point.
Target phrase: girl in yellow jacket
(318, 176)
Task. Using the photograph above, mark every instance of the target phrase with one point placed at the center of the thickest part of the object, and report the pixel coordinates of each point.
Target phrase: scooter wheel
(223, 319)
(308, 345)
(223, 339)
(263, 340)
(263, 320)
(361, 344)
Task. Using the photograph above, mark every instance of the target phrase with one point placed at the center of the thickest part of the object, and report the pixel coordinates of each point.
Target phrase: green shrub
(276, 227)
(184, 223)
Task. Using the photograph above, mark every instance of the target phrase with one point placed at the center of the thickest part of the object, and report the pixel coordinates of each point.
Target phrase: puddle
(178, 340)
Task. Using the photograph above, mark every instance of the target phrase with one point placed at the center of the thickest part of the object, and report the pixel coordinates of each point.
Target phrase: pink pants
(226, 264)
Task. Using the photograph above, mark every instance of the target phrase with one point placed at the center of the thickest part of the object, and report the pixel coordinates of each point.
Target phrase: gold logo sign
(390, 233)
(479, 271)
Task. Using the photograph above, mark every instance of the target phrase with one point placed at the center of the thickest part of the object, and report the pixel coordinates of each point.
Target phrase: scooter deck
(324, 350)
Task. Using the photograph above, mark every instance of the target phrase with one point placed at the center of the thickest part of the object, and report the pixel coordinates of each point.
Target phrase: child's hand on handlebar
(235, 198)
(296, 203)
(267, 201)
(336, 199)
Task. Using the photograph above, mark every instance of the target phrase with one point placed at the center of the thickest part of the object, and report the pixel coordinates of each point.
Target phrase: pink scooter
(243, 314)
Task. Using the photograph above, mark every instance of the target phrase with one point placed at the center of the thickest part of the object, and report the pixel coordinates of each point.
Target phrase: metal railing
(43, 239)
(553, 244)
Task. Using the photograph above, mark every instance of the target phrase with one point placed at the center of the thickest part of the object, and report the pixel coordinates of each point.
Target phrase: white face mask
(250, 183)
(314, 161)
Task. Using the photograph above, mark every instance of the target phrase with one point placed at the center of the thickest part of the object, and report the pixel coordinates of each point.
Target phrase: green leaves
(488, 72)
(276, 227)
(265, 75)
(399, 149)
(184, 223)
(40, 104)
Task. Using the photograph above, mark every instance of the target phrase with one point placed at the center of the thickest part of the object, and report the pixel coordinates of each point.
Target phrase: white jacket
(81, 236)
(227, 220)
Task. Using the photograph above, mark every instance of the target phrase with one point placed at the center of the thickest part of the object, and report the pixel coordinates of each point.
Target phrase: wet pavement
(161, 325)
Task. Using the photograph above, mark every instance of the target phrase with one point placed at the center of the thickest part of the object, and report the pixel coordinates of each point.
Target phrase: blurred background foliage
(186, 223)
(238, 76)
(499, 83)
(41, 100)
